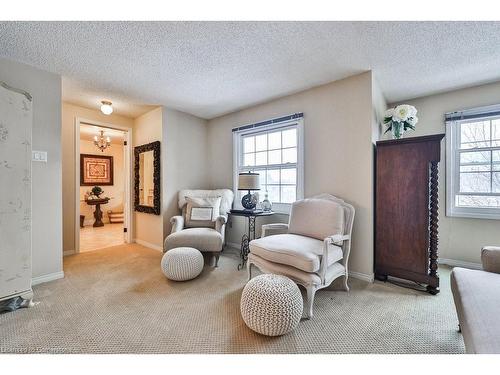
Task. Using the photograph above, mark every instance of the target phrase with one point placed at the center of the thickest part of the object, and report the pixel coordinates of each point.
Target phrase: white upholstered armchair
(206, 235)
(312, 249)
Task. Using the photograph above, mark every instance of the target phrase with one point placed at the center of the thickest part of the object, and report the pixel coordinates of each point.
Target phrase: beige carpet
(118, 301)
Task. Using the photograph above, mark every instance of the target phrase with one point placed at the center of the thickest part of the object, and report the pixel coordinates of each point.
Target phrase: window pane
(261, 158)
(290, 155)
(288, 194)
(249, 159)
(273, 176)
(477, 201)
(475, 182)
(495, 183)
(289, 176)
(275, 157)
(274, 140)
(248, 144)
(262, 178)
(273, 193)
(496, 160)
(261, 142)
(475, 134)
(495, 133)
(475, 157)
(290, 138)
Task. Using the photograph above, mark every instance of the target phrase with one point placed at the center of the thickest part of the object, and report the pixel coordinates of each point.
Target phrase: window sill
(490, 214)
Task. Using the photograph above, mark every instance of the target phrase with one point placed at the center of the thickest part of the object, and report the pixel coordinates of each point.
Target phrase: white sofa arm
(338, 239)
(177, 224)
(220, 222)
(276, 228)
(490, 258)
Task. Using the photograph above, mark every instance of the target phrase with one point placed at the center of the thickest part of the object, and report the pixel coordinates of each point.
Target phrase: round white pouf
(182, 263)
(271, 305)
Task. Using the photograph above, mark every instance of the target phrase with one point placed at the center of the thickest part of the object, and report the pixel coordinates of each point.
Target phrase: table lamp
(249, 181)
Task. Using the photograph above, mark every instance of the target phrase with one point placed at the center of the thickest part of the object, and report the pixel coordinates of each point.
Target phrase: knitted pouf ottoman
(182, 263)
(271, 305)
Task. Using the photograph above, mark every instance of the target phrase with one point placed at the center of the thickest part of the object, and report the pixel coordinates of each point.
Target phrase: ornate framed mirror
(147, 178)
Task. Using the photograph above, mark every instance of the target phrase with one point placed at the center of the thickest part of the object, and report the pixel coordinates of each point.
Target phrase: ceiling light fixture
(102, 143)
(106, 107)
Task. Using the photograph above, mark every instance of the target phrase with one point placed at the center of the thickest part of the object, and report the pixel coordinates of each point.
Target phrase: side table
(97, 213)
(250, 235)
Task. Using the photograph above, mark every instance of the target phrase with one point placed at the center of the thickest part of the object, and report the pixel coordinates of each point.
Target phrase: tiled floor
(96, 238)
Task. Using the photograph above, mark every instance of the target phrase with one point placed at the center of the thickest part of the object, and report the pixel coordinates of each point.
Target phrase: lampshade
(248, 181)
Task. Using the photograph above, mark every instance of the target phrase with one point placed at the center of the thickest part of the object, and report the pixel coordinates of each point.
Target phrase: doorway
(103, 181)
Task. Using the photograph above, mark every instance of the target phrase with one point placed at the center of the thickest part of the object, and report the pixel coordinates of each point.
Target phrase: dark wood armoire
(406, 210)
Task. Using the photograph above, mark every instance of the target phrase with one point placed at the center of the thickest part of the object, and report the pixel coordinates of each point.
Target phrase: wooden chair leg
(249, 269)
(346, 286)
(216, 256)
(311, 291)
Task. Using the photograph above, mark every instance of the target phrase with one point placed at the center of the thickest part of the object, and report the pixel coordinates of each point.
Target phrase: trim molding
(68, 252)
(460, 263)
(46, 278)
(149, 245)
(362, 276)
(233, 245)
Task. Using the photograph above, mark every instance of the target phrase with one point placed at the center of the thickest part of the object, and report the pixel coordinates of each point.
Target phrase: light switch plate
(39, 156)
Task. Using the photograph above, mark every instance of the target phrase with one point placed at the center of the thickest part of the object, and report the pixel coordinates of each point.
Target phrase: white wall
(45, 88)
(338, 125)
(148, 228)
(183, 165)
(185, 160)
(69, 114)
(459, 238)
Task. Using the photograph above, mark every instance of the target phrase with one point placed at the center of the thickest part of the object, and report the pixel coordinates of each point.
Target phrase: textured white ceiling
(212, 68)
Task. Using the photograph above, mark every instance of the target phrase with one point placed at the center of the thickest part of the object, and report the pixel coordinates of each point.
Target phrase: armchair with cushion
(312, 249)
(206, 235)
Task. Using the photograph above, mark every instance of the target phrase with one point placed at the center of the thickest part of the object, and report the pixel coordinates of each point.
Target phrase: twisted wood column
(433, 226)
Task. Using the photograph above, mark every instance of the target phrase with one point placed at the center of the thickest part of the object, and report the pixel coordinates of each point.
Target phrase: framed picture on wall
(96, 170)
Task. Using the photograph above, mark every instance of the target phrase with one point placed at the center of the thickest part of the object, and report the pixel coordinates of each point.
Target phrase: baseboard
(68, 252)
(362, 276)
(148, 244)
(233, 245)
(460, 263)
(46, 278)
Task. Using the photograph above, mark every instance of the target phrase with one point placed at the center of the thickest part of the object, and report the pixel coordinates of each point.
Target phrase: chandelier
(102, 143)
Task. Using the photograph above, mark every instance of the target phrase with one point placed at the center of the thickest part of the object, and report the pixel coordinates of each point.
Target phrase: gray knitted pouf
(271, 305)
(182, 263)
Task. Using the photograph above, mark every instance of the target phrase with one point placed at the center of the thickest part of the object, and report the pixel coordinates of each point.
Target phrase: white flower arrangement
(400, 118)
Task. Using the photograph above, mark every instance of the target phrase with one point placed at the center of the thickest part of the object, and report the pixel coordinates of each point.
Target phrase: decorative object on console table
(399, 119)
(250, 235)
(406, 217)
(266, 204)
(249, 181)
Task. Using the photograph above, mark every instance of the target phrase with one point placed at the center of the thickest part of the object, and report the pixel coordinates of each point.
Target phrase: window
(473, 163)
(274, 150)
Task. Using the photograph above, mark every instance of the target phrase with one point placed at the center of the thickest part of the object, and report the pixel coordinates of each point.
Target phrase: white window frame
(453, 169)
(298, 123)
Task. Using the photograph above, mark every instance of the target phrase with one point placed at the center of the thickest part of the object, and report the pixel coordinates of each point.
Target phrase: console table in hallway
(97, 213)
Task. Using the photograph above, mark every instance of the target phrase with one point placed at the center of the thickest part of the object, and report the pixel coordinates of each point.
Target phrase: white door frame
(128, 163)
